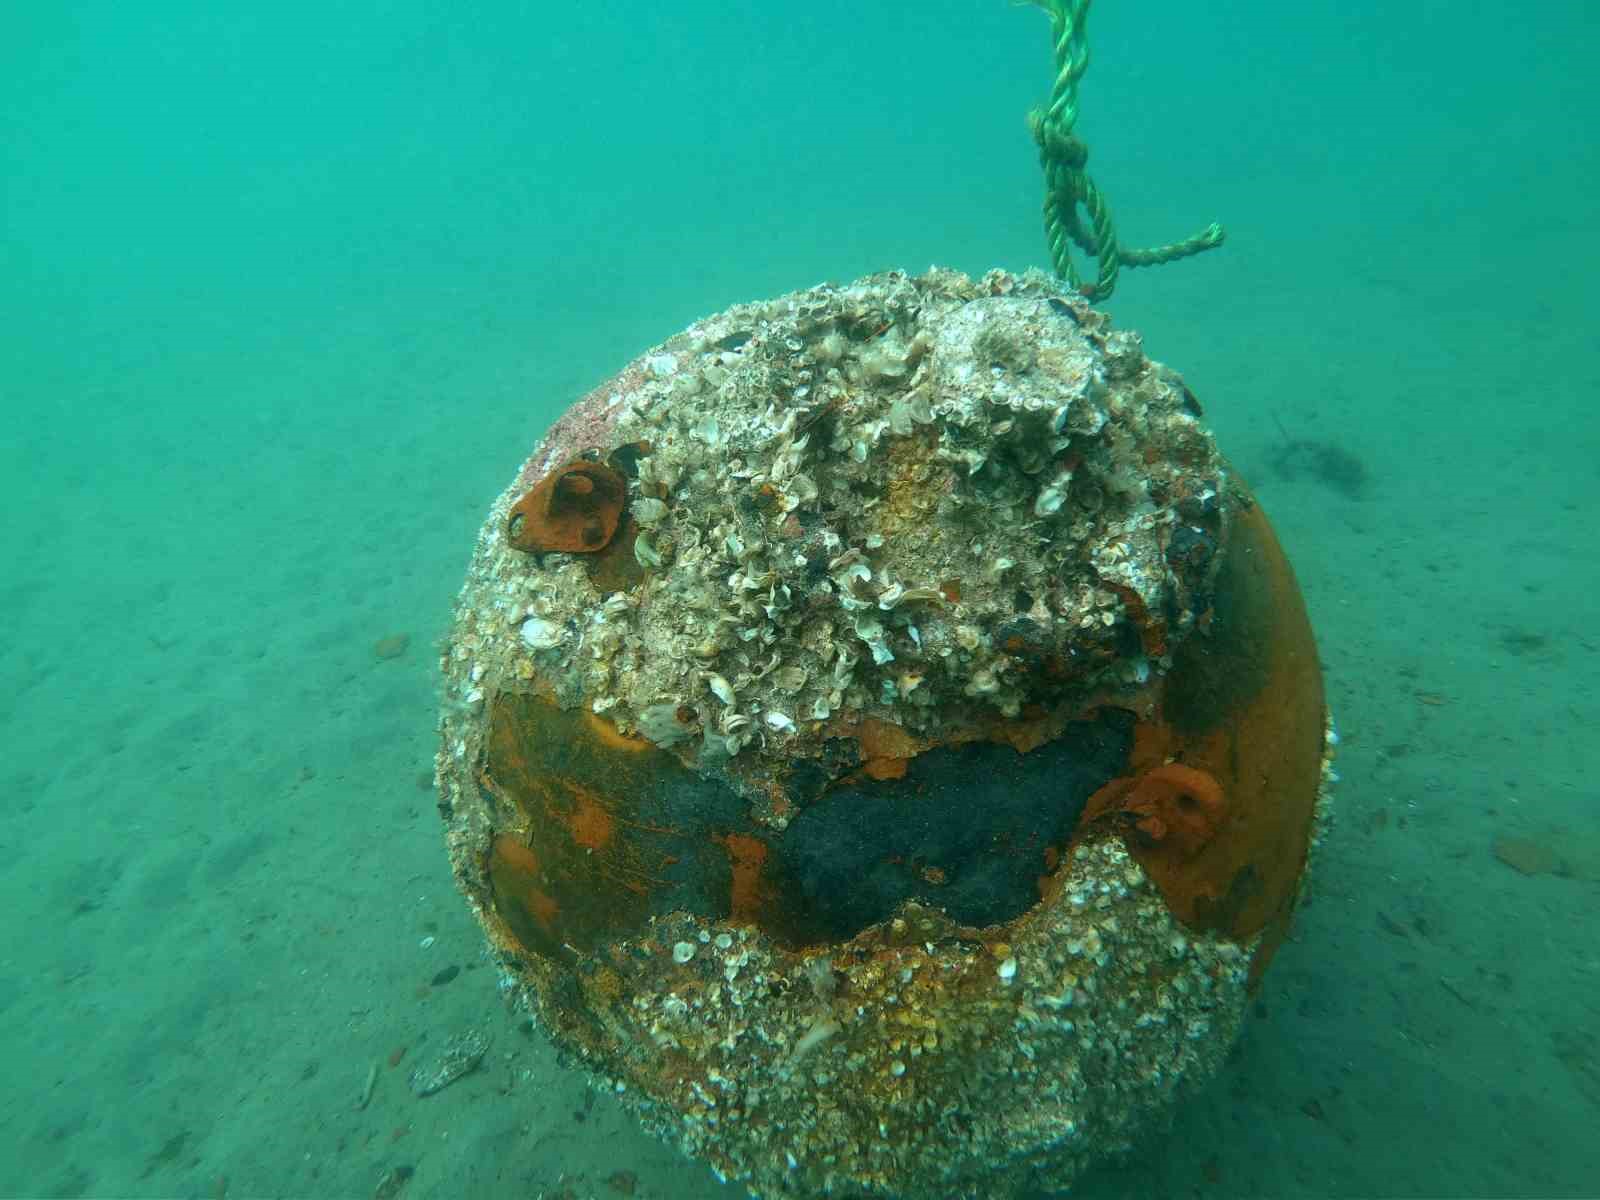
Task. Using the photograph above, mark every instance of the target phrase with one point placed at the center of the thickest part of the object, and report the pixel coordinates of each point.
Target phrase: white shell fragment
(541, 634)
(644, 550)
(649, 511)
(459, 1056)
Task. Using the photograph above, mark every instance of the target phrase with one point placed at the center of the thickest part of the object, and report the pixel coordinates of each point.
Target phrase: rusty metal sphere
(884, 738)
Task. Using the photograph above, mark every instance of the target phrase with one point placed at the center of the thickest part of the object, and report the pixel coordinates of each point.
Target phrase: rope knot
(1058, 146)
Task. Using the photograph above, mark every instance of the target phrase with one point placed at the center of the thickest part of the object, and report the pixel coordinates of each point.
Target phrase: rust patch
(520, 899)
(1238, 729)
(576, 509)
(885, 768)
(1172, 807)
(886, 748)
(609, 736)
(585, 862)
(1152, 632)
(749, 891)
(591, 824)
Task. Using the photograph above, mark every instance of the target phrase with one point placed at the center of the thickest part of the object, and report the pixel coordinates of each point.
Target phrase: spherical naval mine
(884, 739)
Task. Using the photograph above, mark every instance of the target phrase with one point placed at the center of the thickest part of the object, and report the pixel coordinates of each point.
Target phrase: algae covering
(883, 740)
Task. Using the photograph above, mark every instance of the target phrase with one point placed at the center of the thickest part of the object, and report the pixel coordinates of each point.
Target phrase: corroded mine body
(883, 739)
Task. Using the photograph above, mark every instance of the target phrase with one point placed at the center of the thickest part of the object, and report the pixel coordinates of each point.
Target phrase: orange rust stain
(575, 790)
(612, 738)
(1026, 734)
(884, 739)
(519, 894)
(514, 854)
(1174, 805)
(885, 768)
(590, 822)
(1152, 632)
(747, 859)
(1151, 741)
(1169, 815)
(886, 748)
(1220, 795)
(575, 508)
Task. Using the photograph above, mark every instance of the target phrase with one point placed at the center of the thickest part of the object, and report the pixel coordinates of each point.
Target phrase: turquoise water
(288, 291)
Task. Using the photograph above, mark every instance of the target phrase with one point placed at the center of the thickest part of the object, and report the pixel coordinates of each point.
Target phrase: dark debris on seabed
(1327, 463)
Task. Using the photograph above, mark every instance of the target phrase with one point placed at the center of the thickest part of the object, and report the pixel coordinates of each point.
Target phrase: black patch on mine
(965, 830)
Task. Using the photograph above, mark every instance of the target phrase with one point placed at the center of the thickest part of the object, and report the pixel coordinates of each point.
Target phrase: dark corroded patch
(597, 833)
(966, 829)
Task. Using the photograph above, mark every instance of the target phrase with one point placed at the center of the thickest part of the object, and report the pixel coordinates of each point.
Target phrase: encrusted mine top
(930, 506)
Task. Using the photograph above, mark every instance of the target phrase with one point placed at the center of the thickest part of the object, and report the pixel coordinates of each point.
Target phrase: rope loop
(1076, 212)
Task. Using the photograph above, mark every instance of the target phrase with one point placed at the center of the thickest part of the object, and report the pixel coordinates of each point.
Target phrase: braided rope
(1069, 187)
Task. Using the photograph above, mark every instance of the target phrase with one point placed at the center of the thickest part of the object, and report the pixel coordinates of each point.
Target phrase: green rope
(1068, 185)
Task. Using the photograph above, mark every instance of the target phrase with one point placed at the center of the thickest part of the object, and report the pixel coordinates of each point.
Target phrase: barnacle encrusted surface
(930, 502)
(901, 796)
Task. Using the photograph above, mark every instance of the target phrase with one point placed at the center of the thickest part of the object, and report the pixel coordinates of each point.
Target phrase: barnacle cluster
(882, 741)
(926, 501)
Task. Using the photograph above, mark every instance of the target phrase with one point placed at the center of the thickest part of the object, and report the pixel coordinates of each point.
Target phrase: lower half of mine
(960, 969)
